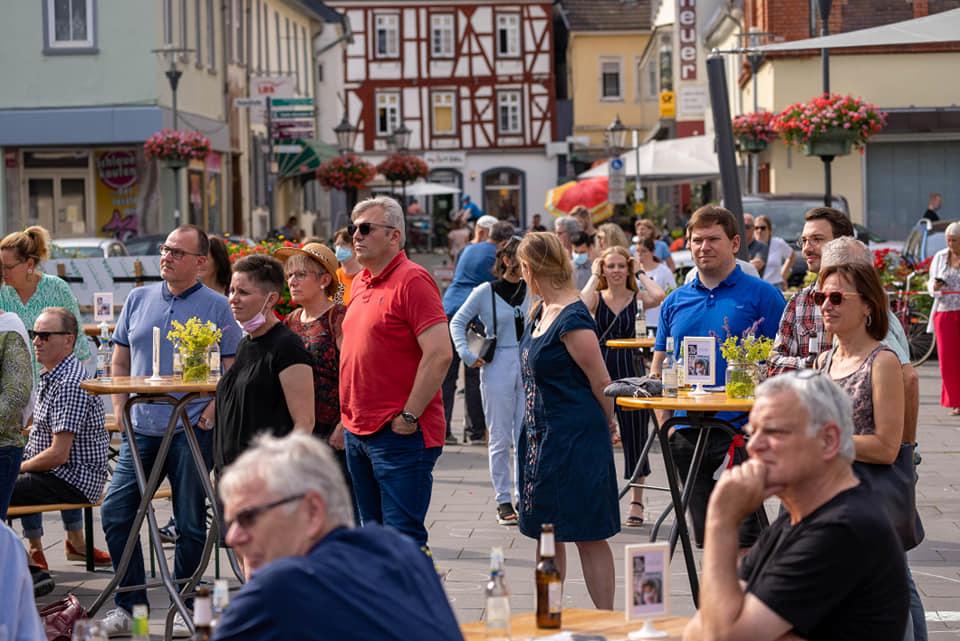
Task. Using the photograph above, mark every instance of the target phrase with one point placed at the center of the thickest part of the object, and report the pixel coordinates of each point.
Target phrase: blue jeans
(392, 479)
(917, 615)
(10, 458)
(189, 508)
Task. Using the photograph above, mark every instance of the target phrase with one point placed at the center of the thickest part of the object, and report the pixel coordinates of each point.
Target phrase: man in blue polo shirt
(720, 301)
(313, 576)
(179, 297)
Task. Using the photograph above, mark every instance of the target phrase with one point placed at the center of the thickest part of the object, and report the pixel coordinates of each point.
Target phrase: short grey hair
(953, 230)
(824, 401)
(291, 465)
(567, 224)
(392, 213)
(845, 250)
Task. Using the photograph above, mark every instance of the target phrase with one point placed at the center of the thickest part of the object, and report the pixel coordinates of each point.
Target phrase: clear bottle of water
(177, 361)
(221, 599)
(668, 372)
(498, 600)
(104, 353)
(640, 323)
(215, 362)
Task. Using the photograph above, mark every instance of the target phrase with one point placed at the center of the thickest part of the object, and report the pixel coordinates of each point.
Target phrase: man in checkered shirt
(65, 460)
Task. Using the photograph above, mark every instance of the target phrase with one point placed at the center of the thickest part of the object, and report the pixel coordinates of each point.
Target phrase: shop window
(503, 193)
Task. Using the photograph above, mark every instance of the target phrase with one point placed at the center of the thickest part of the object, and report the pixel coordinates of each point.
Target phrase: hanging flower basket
(346, 172)
(177, 148)
(403, 168)
(829, 126)
(754, 131)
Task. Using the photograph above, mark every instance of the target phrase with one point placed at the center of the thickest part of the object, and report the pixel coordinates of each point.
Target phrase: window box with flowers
(754, 131)
(403, 168)
(177, 148)
(829, 126)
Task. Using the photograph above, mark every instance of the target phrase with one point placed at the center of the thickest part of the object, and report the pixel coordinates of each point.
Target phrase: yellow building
(605, 74)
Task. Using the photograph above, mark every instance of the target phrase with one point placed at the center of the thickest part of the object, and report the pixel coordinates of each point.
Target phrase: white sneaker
(117, 622)
(180, 629)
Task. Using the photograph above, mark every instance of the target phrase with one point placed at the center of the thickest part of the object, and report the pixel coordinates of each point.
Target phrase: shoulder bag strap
(493, 308)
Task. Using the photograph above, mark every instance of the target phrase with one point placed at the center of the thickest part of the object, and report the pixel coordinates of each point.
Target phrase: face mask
(580, 259)
(253, 324)
(343, 254)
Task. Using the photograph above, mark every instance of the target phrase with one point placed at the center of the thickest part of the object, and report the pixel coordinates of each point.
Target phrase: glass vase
(195, 364)
(741, 379)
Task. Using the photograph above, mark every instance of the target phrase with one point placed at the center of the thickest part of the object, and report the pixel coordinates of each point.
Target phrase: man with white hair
(831, 567)
(396, 350)
(564, 227)
(313, 576)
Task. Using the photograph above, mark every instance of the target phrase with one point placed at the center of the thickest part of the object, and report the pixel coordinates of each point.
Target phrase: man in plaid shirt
(801, 323)
(65, 460)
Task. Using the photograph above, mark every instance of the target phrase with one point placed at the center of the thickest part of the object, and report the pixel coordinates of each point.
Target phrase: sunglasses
(248, 517)
(177, 254)
(760, 227)
(45, 336)
(835, 298)
(365, 228)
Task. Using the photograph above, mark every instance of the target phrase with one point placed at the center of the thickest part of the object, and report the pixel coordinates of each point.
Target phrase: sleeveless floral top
(320, 339)
(859, 386)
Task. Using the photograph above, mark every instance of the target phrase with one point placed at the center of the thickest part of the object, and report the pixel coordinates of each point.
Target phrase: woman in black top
(270, 384)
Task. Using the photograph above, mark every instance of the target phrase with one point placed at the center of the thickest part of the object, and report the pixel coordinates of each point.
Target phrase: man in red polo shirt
(395, 353)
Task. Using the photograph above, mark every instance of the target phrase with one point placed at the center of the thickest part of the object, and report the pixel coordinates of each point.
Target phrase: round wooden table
(172, 391)
(700, 415)
(610, 624)
(631, 343)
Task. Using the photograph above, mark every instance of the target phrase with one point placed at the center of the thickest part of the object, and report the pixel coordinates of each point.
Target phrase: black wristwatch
(409, 418)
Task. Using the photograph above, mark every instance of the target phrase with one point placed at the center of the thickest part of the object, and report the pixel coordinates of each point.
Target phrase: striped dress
(51, 292)
(622, 363)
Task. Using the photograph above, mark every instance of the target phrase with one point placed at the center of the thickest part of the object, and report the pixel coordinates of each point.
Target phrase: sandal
(633, 520)
(955, 411)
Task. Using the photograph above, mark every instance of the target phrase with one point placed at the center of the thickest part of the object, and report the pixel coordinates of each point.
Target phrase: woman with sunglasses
(780, 258)
(27, 291)
(567, 474)
(611, 295)
(501, 387)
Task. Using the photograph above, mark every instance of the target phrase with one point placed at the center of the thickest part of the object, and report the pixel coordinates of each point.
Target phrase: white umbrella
(675, 160)
(430, 189)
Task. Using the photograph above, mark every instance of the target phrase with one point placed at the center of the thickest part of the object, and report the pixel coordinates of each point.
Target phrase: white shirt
(779, 254)
(663, 277)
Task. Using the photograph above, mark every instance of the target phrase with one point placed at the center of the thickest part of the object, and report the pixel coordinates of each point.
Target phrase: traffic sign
(284, 115)
(288, 149)
(617, 182)
(291, 102)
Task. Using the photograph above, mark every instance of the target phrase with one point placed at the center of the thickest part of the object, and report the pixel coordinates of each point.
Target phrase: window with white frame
(70, 24)
(610, 80)
(211, 37)
(650, 80)
(441, 35)
(388, 112)
(508, 34)
(197, 33)
(387, 35)
(444, 113)
(237, 31)
(508, 112)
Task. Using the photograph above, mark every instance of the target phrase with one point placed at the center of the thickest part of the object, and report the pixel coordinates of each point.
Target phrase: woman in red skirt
(944, 284)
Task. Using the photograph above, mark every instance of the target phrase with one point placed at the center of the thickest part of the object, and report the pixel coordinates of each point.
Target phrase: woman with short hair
(567, 474)
(269, 387)
(349, 263)
(944, 276)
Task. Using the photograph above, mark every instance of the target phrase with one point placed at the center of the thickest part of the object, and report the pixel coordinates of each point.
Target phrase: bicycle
(904, 305)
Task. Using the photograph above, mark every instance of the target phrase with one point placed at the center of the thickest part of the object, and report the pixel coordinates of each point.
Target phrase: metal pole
(726, 152)
(173, 75)
(269, 164)
(825, 6)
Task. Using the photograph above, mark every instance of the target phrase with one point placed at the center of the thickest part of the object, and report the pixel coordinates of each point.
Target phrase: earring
(869, 319)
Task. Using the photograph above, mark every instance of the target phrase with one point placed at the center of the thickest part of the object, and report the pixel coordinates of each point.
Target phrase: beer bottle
(202, 615)
(549, 586)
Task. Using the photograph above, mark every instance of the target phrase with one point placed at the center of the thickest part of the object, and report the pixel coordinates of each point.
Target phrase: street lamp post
(173, 75)
(346, 139)
(401, 137)
(615, 138)
(825, 6)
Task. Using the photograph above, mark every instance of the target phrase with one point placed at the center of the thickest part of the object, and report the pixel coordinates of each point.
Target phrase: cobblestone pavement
(463, 527)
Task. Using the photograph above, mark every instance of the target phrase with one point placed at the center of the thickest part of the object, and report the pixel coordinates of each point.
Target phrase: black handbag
(894, 486)
(478, 342)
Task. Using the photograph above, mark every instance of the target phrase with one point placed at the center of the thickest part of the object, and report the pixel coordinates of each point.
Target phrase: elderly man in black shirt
(832, 566)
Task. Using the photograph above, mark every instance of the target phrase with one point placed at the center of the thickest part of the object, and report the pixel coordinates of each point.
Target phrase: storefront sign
(117, 191)
(692, 102)
(269, 87)
(687, 35)
(435, 159)
(668, 104)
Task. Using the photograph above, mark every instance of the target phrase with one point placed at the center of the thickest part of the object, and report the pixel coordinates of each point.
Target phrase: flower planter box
(836, 142)
(752, 145)
(175, 163)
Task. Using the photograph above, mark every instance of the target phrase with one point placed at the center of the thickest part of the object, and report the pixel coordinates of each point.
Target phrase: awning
(675, 160)
(312, 153)
(939, 27)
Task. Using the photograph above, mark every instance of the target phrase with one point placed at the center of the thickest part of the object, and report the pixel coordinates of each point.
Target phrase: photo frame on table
(647, 579)
(700, 361)
(103, 307)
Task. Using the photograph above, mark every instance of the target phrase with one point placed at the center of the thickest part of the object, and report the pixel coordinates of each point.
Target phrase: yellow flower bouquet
(193, 340)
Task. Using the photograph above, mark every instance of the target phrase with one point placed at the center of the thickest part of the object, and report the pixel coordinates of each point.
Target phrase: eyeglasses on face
(835, 298)
(301, 274)
(9, 267)
(248, 517)
(365, 228)
(760, 227)
(45, 336)
(177, 254)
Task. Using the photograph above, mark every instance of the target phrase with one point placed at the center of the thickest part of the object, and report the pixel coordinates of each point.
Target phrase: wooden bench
(15, 511)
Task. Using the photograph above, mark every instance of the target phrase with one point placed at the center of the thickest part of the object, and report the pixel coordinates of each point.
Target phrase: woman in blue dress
(611, 295)
(567, 474)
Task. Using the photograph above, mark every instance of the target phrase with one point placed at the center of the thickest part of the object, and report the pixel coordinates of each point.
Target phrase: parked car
(88, 248)
(148, 245)
(925, 239)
